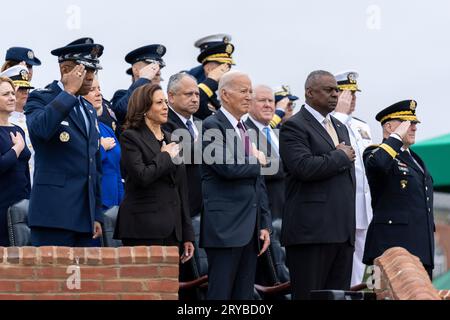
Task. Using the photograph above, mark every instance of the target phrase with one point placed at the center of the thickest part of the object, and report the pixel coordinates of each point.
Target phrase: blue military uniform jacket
(119, 102)
(402, 201)
(67, 178)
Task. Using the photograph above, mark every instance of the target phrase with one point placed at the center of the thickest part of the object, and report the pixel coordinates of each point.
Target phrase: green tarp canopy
(436, 155)
(443, 282)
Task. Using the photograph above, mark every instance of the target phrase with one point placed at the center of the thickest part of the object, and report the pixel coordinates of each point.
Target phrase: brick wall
(403, 277)
(59, 273)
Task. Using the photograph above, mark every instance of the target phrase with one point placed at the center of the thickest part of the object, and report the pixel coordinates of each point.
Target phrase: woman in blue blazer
(112, 185)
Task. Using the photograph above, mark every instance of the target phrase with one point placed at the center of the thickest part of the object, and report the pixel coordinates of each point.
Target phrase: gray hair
(174, 81)
(261, 86)
(228, 77)
(314, 76)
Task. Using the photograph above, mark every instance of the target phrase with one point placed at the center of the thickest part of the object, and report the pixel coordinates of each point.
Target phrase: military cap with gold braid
(19, 76)
(404, 111)
(347, 80)
(215, 48)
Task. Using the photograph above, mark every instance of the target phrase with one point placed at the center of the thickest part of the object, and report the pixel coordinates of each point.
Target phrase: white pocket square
(65, 123)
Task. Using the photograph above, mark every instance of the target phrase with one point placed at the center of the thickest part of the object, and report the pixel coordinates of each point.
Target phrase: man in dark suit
(402, 189)
(261, 112)
(236, 212)
(184, 97)
(319, 218)
(65, 203)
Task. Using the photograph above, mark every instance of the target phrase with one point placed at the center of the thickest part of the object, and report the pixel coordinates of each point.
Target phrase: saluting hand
(18, 143)
(402, 129)
(264, 236)
(283, 104)
(344, 104)
(149, 72)
(349, 151)
(219, 71)
(73, 80)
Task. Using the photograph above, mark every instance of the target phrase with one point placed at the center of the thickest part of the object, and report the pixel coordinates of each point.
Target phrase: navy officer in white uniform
(360, 138)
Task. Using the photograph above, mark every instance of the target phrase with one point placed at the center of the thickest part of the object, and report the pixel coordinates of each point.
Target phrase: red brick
(44, 286)
(99, 297)
(56, 297)
(171, 297)
(29, 256)
(169, 271)
(52, 273)
(15, 272)
(141, 296)
(141, 255)
(79, 255)
(99, 273)
(122, 286)
(125, 255)
(13, 255)
(156, 255)
(86, 286)
(47, 255)
(64, 255)
(9, 296)
(166, 286)
(109, 256)
(146, 272)
(171, 255)
(93, 256)
(8, 286)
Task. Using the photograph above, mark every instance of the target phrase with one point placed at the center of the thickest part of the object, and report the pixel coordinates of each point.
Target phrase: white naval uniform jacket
(18, 118)
(361, 138)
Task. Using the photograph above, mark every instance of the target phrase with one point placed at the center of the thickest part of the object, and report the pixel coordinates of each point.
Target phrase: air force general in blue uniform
(65, 203)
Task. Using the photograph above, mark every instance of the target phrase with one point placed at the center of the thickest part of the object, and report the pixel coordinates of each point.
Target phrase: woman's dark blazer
(156, 196)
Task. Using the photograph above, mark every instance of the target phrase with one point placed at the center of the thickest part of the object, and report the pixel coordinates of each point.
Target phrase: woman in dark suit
(155, 209)
(14, 156)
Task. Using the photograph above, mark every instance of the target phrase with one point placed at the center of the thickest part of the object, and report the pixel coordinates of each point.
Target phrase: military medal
(403, 184)
(64, 137)
(364, 134)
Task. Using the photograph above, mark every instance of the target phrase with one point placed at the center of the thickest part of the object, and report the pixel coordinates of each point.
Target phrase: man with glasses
(65, 203)
(285, 104)
(146, 64)
(402, 189)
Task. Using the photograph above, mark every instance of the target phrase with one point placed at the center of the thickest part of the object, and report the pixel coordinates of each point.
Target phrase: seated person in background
(14, 156)
(155, 209)
(112, 185)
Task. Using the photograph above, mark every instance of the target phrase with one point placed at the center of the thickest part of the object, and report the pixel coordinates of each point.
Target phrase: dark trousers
(231, 274)
(319, 267)
(44, 237)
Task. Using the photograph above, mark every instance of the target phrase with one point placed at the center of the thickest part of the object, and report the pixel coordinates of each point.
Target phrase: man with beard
(65, 203)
